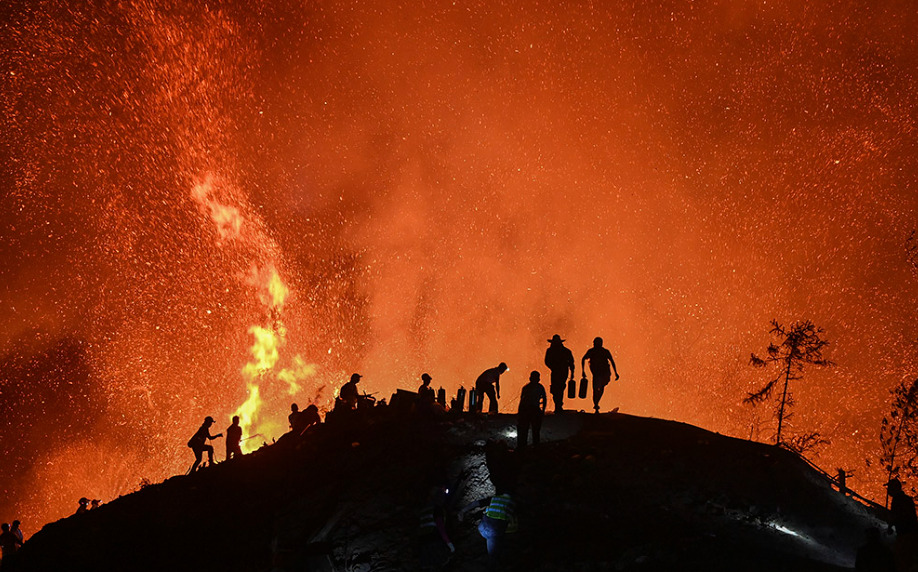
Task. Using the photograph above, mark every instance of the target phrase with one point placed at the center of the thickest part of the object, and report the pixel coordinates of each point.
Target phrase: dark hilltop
(602, 492)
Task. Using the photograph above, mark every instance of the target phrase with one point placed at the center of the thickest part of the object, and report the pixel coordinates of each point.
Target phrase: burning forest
(221, 208)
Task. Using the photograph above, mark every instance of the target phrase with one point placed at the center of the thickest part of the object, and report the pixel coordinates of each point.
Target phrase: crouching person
(499, 519)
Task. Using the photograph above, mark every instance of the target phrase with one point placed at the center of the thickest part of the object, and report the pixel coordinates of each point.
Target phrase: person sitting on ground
(349, 394)
(9, 543)
(198, 443)
(294, 413)
(94, 504)
(488, 383)
(233, 439)
(84, 505)
(531, 410)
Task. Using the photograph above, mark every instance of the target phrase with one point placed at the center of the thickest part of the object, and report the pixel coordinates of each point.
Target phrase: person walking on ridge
(560, 360)
(600, 358)
(233, 438)
(198, 443)
(488, 383)
(532, 407)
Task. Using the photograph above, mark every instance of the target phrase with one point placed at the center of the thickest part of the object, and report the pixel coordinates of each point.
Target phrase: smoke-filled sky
(229, 206)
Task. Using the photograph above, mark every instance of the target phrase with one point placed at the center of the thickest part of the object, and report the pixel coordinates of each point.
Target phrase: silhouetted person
(198, 443)
(873, 555)
(349, 394)
(84, 506)
(233, 439)
(902, 518)
(560, 361)
(308, 418)
(294, 413)
(600, 359)
(17, 531)
(488, 383)
(94, 504)
(9, 544)
(434, 544)
(426, 394)
(532, 407)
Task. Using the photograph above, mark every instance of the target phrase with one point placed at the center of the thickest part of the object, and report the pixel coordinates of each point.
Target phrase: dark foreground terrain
(602, 492)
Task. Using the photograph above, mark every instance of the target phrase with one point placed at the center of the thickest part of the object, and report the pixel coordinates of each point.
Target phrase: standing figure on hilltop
(488, 383)
(17, 531)
(426, 394)
(294, 413)
(600, 358)
(560, 360)
(902, 517)
(348, 394)
(532, 407)
(233, 438)
(198, 443)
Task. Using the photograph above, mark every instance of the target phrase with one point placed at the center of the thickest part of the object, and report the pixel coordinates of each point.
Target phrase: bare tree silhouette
(797, 346)
(901, 427)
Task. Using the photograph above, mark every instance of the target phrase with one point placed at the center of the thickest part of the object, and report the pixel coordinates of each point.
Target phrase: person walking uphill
(532, 407)
(488, 383)
(600, 358)
(198, 443)
(560, 360)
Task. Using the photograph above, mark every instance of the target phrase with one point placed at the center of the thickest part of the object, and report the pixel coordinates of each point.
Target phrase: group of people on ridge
(11, 539)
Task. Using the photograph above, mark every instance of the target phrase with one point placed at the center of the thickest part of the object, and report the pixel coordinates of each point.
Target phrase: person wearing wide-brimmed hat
(560, 361)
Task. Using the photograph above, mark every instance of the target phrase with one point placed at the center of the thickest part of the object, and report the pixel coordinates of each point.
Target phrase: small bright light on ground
(784, 529)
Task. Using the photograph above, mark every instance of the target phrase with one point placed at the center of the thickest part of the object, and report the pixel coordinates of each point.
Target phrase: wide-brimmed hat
(555, 338)
(893, 484)
(355, 376)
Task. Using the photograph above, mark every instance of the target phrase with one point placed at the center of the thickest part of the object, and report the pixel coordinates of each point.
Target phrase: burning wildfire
(222, 210)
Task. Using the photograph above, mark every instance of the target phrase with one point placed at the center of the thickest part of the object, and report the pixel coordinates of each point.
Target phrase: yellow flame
(300, 371)
(277, 289)
(227, 219)
(264, 352)
(248, 415)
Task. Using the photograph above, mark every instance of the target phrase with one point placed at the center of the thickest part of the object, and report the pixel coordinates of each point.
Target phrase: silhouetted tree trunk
(797, 346)
(901, 426)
